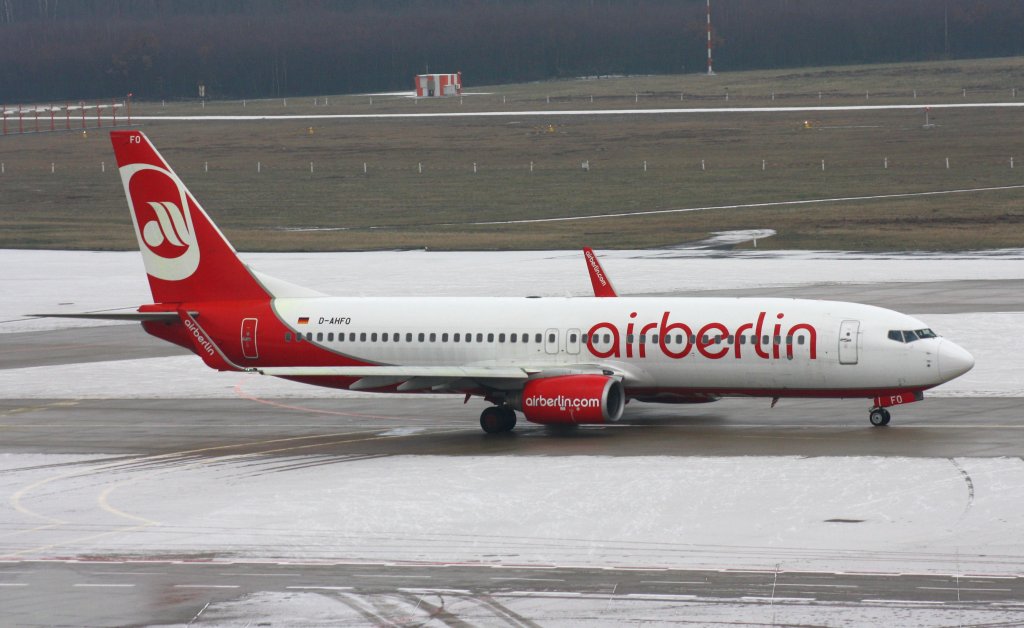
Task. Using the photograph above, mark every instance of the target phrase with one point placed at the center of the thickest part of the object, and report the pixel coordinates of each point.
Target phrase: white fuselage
(721, 346)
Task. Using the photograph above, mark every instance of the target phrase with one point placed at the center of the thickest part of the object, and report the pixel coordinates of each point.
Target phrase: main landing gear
(498, 419)
(879, 417)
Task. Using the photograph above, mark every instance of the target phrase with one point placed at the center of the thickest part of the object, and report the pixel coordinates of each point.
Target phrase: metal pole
(710, 71)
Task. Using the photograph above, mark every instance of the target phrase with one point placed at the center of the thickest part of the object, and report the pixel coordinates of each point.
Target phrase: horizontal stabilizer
(116, 316)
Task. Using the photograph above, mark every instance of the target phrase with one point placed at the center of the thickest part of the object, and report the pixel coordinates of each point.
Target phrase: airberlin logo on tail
(163, 221)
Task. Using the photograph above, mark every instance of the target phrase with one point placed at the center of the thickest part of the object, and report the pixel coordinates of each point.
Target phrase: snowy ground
(900, 515)
(897, 515)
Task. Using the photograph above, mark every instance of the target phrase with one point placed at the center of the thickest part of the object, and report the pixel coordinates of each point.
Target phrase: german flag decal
(303, 320)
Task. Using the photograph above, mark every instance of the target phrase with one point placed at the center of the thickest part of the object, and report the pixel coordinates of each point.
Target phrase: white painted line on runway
(654, 212)
(264, 575)
(320, 588)
(128, 573)
(436, 591)
(922, 602)
(674, 582)
(13, 584)
(207, 586)
(962, 589)
(529, 579)
(378, 575)
(658, 596)
(576, 112)
(544, 594)
(102, 586)
(760, 598)
(830, 586)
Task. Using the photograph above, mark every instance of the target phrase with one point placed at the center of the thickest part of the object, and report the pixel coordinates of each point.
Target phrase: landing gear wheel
(879, 417)
(498, 419)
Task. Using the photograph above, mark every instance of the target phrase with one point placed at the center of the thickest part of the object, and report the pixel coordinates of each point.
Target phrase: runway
(185, 510)
(111, 593)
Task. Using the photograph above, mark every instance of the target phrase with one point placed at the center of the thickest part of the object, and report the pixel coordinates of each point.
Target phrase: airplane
(558, 361)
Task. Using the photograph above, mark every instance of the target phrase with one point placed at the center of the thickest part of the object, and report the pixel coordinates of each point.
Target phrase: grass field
(747, 158)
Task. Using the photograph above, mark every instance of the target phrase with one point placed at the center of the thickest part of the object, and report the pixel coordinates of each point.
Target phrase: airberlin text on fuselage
(703, 338)
(200, 338)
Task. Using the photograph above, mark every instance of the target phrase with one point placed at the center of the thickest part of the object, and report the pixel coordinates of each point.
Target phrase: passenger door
(249, 349)
(848, 332)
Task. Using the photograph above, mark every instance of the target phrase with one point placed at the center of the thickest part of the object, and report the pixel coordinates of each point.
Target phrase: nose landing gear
(879, 417)
(498, 419)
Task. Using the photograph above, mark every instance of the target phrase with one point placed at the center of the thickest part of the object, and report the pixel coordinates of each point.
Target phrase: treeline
(58, 49)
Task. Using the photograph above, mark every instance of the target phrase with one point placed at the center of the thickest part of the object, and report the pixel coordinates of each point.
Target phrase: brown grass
(395, 206)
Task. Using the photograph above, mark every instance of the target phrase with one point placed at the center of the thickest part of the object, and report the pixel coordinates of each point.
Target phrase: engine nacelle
(571, 400)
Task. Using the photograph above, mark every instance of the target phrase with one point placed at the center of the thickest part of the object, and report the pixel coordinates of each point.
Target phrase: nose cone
(954, 360)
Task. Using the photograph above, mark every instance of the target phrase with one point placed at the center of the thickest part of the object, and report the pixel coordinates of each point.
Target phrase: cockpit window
(910, 335)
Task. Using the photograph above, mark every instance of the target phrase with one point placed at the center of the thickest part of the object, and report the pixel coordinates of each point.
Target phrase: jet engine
(571, 400)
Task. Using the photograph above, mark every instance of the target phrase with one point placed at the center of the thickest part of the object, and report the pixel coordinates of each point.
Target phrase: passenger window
(384, 337)
(501, 337)
(729, 338)
(319, 336)
(330, 337)
(607, 338)
(537, 338)
(704, 339)
(479, 337)
(512, 338)
(287, 336)
(679, 339)
(490, 337)
(629, 339)
(455, 337)
(765, 340)
(362, 336)
(789, 340)
(373, 337)
(309, 336)
(469, 337)
(433, 337)
(444, 337)
(743, 339)
(396, 337)
(421, 337)
(693, 339)
(584, 338)
(572, 338)
(799, 340)
(408, 337)
(352, 337)
(778, 340)
(551, 338)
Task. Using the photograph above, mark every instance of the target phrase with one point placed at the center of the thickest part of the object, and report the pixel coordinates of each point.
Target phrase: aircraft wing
(440, 378)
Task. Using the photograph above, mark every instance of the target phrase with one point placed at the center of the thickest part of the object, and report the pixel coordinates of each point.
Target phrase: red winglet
(602, 284)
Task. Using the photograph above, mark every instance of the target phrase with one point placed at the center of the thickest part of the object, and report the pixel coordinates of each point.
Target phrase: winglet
(602, 285)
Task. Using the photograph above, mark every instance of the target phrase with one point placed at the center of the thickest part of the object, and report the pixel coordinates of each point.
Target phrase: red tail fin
(187, 257)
